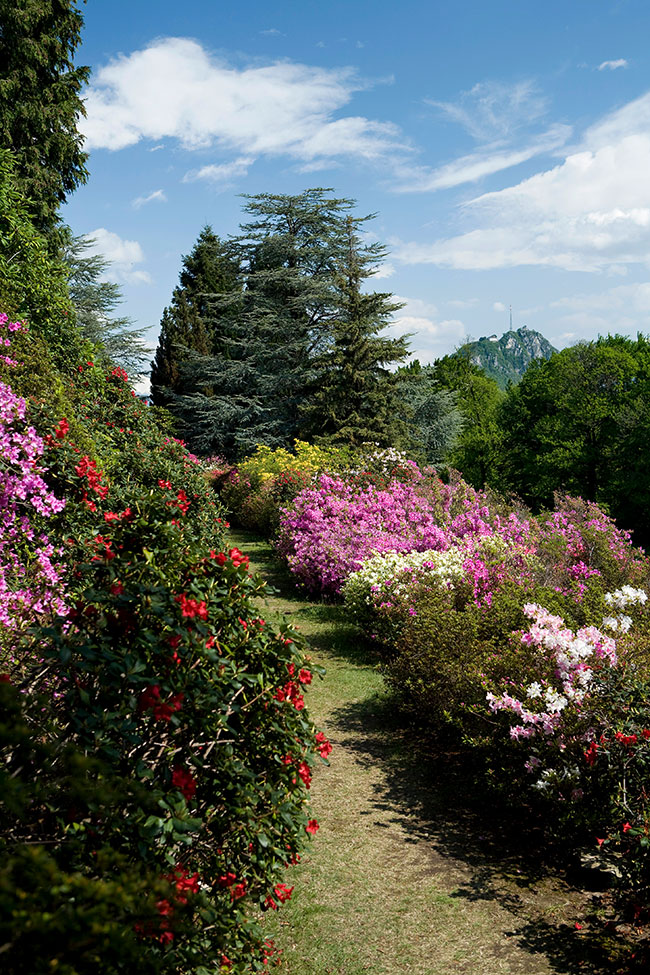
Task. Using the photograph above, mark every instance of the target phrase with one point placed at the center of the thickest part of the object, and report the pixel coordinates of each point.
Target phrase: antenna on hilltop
(511, 318)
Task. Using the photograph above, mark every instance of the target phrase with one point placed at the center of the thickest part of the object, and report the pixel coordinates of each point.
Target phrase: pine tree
(94, 300)
(273, 326)
(40, 101)
(354, 398)
(189, 325)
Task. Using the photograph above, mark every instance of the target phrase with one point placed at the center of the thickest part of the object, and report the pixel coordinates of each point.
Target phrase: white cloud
(272, 32)
(493, 110)
(384, 271)
(591, 212)
(484, 162)
(613, 65)
(175, 89)
(121, 254)
(220, 173)
(463, 302)
(498, 306)
(430, 338)
(157, 196)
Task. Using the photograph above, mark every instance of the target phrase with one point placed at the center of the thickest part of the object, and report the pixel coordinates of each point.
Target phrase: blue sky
(504, 145)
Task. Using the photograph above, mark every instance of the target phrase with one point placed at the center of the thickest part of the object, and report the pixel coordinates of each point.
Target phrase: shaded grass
(412, 870)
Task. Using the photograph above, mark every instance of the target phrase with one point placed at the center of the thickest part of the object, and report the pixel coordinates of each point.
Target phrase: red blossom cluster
(184, 883)
(323, 746)
(162, 710)
(126, 515)
(628, 740)
(290, 692)
(182, 502)
(61, 429)
(282, 893)
(192, 607)
(106, 543)
(236, 557)
(184, 781)
(120, 373)
(87, 468)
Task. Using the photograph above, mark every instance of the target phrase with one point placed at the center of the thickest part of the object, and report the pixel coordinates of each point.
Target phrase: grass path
(408, 873)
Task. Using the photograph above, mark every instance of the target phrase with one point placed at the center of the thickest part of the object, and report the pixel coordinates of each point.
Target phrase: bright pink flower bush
(31, 572)
(335, 525)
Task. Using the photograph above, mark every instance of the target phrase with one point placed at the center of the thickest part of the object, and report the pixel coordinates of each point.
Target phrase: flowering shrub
(334, 526)
(269, 479)
(31, 573)
(585, 724)
(156, 775)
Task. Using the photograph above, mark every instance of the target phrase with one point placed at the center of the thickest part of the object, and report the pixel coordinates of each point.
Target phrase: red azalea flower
(227, 880)
(184, 782)
(62, 428)
(282, 892)
(239, 890)
(312, 827)
(305, 773)
(305, 676)
(323, 746)
(192, 607)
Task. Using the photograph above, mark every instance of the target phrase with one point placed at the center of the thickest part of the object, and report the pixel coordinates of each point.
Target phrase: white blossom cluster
(626, 596)
(389, 576)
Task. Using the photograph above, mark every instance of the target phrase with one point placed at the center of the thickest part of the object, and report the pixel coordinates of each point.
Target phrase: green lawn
(410, 872)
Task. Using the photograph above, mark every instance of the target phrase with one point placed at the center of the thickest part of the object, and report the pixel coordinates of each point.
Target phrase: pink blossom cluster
(30, 575)
(571, 657)
(335, 525)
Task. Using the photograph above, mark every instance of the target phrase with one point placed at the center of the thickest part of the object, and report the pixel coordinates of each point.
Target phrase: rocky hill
(506, 359)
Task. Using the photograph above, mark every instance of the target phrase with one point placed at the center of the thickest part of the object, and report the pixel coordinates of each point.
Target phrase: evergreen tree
(40, 101)
(189, 324)
(273, 326)
(354, 398)
(435, 420)
(94, 300)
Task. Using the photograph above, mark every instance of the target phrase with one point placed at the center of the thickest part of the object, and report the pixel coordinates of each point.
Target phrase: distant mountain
(506, 359)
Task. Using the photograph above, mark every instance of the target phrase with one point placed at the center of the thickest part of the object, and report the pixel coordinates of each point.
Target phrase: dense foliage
(290, 326)
(579, 422)
(157, 748)
(40, 101)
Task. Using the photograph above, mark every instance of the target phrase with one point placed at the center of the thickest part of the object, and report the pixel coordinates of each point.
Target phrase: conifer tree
(276, 322)
(435, 420)
(40, 101)
(95, 300)
(354, 398)
(189, 325)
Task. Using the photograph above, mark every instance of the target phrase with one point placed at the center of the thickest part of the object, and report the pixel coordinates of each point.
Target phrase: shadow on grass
(431, 793)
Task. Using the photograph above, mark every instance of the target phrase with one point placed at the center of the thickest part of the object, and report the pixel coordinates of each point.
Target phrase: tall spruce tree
(40, 102)
(354, 398)
(189, 325)
(276, 323)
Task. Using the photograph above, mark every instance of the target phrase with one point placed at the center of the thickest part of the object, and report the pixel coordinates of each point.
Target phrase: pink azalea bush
(31, 570)
(332, 527)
